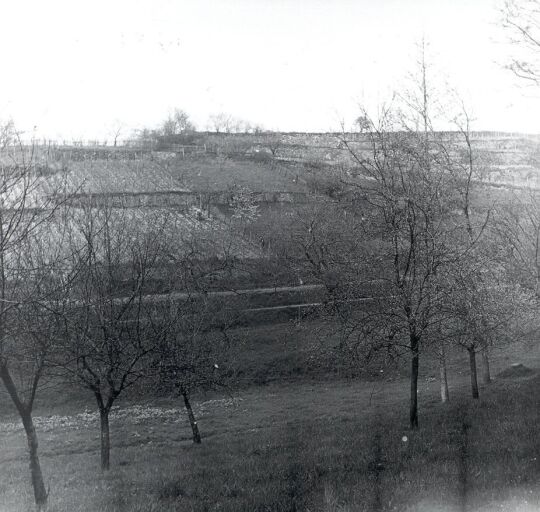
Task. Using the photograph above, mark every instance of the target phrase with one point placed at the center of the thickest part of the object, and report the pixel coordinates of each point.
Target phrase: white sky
(74, 68)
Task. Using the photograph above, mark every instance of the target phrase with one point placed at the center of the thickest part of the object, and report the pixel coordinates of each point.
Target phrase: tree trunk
(40, 493)
(105, 439)
(443, 376)
(191, 416)
(413, 411)
(486, 374)
(474, 379)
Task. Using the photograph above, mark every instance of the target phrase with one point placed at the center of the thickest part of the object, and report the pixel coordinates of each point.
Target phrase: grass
(307, 447)
(323, 444)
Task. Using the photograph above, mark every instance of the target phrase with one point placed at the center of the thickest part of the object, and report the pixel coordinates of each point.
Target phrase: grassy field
(313, 442)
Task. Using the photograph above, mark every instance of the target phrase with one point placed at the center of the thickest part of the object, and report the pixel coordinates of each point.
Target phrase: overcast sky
(73, 69)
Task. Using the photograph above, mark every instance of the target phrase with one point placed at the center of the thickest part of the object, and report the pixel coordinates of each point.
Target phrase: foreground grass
(336, 446)
(308, 440)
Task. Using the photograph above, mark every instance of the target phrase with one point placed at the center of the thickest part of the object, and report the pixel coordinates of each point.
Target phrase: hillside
(266, 162)
(299, 442)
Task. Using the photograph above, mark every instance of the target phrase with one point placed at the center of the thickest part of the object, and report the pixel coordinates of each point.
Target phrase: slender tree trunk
(413, 411)
(191, 416)
(40, 493)
(105, 438)
(486, 374)
(25, 412)
(445, 397)
(474, 378)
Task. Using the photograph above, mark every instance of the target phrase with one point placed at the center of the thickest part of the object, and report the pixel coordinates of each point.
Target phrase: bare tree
(116, 130)
(518, 230)
(407, 182)
(521, 20)
(469, 168)
(274, 142)
(146, 136)
(485, 308)
(177, 122)
(192, 322)
(221, 122)
(109, 326)
(193, 345)
(34, 330)
(411, 196)
(31, 270)
(426, 101)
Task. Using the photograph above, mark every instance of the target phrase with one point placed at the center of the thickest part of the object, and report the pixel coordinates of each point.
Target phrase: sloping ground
(43, 180)
(204, 173)
(501, 153)
(210, 173)
(144, 175)
(302, 443)
(185, 230)
(326, 446)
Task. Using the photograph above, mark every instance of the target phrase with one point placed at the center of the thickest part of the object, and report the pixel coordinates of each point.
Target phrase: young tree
(31, 236)
(470, 169)
(414, 194)
(191, 323)
(411, 198)
(116, 129)
(34, 329)
(484, 308)
(109, 333)
(193, 344)
(418, 184)
(274, 141)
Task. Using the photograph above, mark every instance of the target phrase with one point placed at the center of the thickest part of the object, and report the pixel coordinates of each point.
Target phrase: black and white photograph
(270, 256)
